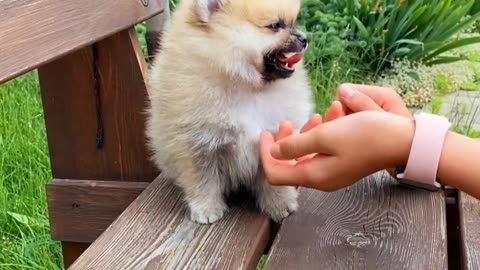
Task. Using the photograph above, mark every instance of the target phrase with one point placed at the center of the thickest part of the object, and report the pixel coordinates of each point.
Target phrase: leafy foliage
(475, 8)
(379, 31)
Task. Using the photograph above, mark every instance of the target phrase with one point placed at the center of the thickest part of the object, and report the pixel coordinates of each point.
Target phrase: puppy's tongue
(290, 58)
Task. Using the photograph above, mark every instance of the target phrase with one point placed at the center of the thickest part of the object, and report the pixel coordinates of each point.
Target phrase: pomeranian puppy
(227, 70)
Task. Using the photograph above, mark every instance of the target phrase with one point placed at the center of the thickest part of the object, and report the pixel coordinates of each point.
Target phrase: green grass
(472, 133)
(470, 87)
(443, 85)
(24, 170)
(261, 262)
(436, 105)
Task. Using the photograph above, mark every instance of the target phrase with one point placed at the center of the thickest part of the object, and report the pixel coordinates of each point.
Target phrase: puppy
(227, 70)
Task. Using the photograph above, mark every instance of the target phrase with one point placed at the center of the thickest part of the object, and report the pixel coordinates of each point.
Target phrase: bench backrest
(34, 32)
(91, 73)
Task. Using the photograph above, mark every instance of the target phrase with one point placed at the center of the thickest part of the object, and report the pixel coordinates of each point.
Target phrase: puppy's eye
(274, 26)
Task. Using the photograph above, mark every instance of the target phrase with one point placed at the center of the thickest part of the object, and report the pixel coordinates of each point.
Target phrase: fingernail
(285, 124)
(337, 103)
(275, 151)
(265, 135)
(346, 91)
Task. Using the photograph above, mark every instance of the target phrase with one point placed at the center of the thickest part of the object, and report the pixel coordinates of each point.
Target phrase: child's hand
(335, 154)
(286, 129)
(357, 98)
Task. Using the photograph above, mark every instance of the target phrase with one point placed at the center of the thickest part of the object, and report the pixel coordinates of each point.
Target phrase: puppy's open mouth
(288, 60)
(281, 64)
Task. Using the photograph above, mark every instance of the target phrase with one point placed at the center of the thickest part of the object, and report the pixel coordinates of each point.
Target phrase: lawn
(24, 170)
(344, 47)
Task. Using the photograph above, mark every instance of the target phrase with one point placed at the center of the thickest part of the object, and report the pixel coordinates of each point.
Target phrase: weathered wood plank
(35, 32)
(470, 230)
(80, 210)
(374, 224)
(155, 232)
(94, 101)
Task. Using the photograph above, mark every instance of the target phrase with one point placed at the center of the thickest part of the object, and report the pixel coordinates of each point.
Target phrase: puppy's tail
(155, 28)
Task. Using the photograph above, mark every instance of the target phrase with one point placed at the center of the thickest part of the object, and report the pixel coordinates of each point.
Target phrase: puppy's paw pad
(207, 215)
(282, 211)
(279, 205)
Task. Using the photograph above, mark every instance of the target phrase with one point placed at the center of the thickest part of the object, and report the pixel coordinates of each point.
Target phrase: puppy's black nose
(302, 40)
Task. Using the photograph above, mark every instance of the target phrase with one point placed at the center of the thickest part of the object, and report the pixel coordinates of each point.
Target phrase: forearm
(460, 164)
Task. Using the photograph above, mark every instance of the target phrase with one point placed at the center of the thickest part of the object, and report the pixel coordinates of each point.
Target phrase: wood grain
(35, 32)
(98, 88)
(80, 210)
(155, 232)
(374, 224)
(470, 230)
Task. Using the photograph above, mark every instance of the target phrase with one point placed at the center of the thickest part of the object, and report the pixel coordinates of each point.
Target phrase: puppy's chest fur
(230, 141)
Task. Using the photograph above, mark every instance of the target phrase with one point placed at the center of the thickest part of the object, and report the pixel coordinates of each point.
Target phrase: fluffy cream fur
(209, 102)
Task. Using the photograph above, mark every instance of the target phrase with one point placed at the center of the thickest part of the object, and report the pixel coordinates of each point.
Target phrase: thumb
(356, 101)
(298, 145)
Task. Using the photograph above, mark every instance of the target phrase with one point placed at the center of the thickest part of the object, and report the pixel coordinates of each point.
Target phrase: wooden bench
(111, 209)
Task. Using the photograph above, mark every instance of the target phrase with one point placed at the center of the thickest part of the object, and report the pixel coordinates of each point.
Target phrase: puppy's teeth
(290, 54)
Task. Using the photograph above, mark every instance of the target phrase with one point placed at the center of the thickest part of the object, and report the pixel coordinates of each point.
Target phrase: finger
(265, 144)
(314, 121)
(284, 174)
(269, 164)
(317, 173)
(304, 158)
(387, 98)
(295, 146)
(284, 130)
(299, 145)
(335, 111)
(356, 101)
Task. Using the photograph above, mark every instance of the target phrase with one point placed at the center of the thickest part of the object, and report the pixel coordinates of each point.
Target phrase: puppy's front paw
(279, 202)
(207, 214)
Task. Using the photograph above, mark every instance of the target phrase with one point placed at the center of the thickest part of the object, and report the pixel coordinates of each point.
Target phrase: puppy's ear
(206, 8)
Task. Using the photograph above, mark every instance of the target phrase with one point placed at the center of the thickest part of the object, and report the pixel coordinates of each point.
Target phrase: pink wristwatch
(422, 166)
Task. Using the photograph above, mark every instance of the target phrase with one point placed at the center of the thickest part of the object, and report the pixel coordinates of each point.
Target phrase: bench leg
(93, 102)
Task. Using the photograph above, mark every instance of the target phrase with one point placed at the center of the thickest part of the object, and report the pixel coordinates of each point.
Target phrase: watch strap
(429, 138)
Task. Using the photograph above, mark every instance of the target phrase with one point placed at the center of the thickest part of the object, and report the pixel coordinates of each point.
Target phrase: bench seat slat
(470, 230)
(155, 232)
(37, 31)
(374, 224)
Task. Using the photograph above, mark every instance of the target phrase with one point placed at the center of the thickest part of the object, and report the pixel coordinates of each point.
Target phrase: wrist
(452, 154)
(402, 138)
